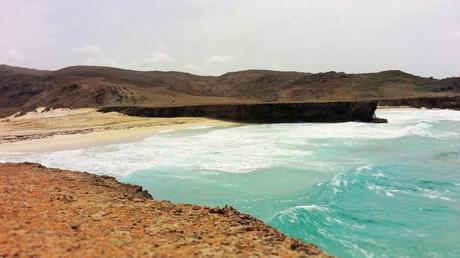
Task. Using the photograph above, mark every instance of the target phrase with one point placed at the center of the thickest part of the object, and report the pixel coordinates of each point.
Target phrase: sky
(212, 37)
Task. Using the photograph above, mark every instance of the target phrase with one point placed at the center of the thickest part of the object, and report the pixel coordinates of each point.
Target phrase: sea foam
(240, 149)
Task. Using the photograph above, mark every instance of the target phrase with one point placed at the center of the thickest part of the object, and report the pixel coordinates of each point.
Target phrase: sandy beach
(64, 129)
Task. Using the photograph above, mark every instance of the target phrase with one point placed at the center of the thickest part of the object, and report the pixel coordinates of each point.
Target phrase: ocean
(354, 189)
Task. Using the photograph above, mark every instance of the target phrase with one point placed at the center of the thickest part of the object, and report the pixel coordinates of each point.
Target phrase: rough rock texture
(24, 89)
(430, 102)
(55, 213)
(266, 113)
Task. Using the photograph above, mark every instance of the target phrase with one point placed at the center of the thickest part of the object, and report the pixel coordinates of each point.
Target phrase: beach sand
(64, 129)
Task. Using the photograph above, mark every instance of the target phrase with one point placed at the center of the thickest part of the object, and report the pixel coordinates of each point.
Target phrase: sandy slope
(69, 129)
(56, 213)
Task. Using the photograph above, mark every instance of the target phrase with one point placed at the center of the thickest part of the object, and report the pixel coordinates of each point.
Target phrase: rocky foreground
(58, 213)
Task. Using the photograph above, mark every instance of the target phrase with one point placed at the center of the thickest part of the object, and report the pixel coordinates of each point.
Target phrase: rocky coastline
(57, 213)
(263, 113)
(448, 102)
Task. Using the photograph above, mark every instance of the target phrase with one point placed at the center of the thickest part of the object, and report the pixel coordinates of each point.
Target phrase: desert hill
(91, 86)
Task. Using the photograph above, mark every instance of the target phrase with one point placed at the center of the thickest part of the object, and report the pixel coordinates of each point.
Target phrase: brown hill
(92, 86)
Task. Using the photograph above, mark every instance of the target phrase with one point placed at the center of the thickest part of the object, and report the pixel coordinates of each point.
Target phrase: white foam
(292, 214)
(243, 149)
(378, 175)
(417, 115)
(311, 207)
(389, 194)
(433, 194)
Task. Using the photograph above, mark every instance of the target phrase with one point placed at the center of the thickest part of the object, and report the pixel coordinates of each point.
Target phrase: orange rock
(56, 213)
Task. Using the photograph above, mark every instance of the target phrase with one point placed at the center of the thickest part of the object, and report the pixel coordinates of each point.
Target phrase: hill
(91, 86)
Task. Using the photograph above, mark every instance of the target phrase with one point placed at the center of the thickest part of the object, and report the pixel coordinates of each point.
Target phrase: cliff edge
(58, 213)
(264, 113)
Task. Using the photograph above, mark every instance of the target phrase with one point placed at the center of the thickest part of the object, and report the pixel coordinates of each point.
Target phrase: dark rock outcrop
(426, 102)
(263, 113)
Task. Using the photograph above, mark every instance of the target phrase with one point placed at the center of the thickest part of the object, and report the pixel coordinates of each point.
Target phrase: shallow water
(354, 189)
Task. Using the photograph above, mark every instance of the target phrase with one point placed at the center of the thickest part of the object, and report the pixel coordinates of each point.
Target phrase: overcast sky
(216, 36)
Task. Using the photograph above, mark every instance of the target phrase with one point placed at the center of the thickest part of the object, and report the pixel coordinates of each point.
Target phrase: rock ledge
(57, 213)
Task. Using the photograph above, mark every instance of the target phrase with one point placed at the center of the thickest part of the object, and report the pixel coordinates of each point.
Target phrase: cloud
(151, 61)
(91, 54)
(159, 56)
(11, 56)
(154, 58)
(418, 36)
(162, 46)
(193, 68)
(87, 50)
(221, 59)
(100, 61)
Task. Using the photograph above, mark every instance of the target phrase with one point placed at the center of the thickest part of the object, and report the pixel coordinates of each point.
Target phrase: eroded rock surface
(56, 213)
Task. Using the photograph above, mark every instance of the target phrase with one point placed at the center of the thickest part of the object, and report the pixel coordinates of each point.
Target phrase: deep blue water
(354, 189)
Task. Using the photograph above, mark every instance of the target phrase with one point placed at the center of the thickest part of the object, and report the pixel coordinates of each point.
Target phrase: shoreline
(81, 128)
(93, 139)
(66, 129)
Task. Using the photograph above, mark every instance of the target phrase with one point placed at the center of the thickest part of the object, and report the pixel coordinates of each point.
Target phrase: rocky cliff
(427, 102)
(56, 213)
(263, 113)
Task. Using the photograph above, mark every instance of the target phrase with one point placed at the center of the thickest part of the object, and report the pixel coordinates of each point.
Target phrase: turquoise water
(354, 189)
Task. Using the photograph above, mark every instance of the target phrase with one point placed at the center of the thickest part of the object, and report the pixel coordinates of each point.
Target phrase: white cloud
(11, 56)
(162, 46)
(91, 54)
(418, 36)
(151, 61)
(100, 61)
(159, 56)
(87, 50)
(221, 59)
(193, 68)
